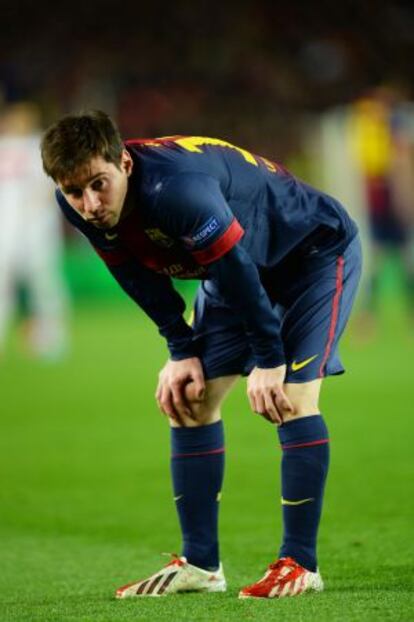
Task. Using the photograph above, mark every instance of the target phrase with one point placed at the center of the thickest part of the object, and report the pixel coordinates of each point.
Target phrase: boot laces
(175, 561)
(293, 569)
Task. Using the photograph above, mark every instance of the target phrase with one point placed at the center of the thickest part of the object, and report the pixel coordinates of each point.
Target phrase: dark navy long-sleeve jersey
(206, 209)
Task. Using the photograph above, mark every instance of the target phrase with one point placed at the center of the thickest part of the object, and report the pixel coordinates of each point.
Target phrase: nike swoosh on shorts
(297, 366)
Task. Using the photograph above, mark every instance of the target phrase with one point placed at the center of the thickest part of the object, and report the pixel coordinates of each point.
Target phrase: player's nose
(91, 202)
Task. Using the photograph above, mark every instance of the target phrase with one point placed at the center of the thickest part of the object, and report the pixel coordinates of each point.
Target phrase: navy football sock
(197, 467)
(305, 462)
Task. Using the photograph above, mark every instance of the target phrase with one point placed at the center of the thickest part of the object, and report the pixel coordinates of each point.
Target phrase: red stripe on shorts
(335, 312)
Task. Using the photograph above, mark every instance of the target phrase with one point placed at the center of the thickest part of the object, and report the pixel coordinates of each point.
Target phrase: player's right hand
(266, 394)
(170, 393)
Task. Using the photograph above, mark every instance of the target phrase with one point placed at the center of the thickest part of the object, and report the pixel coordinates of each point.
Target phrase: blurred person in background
(30, 238)
(279, 263)
(381, 134)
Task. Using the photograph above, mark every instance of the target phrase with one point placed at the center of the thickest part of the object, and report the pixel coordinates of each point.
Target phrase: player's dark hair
(71, 142)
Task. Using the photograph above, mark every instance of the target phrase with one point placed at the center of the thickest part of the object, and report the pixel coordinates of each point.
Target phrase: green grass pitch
(86, 503)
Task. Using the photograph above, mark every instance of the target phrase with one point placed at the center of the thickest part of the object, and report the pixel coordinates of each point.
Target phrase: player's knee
(191, 395)
(206, 409)
(304, 398)
(214, 392)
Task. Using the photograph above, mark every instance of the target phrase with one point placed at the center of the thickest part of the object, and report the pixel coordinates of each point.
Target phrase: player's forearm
(239, 283)
(156, 296)
(179, 337)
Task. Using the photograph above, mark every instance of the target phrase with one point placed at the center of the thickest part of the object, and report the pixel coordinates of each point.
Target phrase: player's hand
(266, 394)
(170, 393)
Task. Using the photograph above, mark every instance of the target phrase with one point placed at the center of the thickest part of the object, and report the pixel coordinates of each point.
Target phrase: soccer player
(29, 254)
(381, 132)
(279, 264)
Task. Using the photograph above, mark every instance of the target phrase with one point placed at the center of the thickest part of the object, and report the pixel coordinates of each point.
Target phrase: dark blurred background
(240, 69)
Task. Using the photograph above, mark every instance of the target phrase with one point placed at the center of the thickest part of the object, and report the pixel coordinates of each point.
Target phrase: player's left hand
(170, 393)
(266, 394)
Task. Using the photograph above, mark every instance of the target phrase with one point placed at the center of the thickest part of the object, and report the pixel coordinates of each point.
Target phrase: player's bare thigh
(208, 410)
(304, 397)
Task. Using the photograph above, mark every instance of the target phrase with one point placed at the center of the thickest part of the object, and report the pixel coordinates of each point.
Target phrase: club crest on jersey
(203, 233)
(159, 238)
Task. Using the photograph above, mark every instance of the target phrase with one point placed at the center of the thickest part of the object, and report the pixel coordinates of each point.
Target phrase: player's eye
(98, 184)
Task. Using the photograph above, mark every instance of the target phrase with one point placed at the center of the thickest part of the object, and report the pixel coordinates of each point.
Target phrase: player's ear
(126, 162)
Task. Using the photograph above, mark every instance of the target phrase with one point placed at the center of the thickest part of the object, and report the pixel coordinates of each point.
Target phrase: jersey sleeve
(192, 209)
(153, 292)
(239, 284)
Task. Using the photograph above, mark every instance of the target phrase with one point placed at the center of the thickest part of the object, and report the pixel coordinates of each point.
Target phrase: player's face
(98, 190)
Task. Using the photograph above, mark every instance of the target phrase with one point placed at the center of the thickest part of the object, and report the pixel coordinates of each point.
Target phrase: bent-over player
(279, 264)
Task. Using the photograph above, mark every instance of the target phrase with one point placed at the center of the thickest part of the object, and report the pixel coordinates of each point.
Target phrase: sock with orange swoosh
(305, 461)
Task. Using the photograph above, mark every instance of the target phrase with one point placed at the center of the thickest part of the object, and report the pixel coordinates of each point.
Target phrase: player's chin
(110, 221)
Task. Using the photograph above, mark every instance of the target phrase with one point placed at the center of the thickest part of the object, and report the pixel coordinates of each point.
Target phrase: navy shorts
(313, 293)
